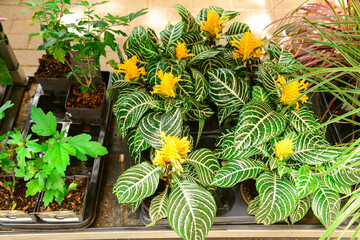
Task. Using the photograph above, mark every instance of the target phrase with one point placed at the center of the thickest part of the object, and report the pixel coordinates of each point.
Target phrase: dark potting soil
(249, 190)
(94, 99)
(51, 68)
(22, 203)
(73, 201)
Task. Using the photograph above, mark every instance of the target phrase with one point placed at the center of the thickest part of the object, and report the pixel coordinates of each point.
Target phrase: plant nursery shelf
(217, 231)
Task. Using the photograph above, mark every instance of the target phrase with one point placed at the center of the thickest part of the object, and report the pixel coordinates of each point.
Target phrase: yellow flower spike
(166, 87)
(174, 151)
(129, 67)
(181, 51)
(213, 23)
(247, 47)
(283, 148)
(291, 91)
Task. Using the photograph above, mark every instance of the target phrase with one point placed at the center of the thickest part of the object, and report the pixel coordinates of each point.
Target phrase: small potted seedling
(42, 163)
(13, 204)
(88, 38)
(51, 73)
(46, 163)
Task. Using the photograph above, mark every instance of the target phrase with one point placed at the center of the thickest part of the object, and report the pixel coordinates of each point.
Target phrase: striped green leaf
(269, 77)
(230, 151)
(153, 124)
(134, 205)
(236, 31)
(129, 52)
(253, 206)
(201, 85)
(237, 170)
(129, 110)
(191, 38)
(313, 149)
(202, 112)
(171, 34)
(197, 49)
(301, 208)
(123, 94)
(137, 183)
(205, 163)
(158, 207)
(347, 175)
(139, 39)
(188, 19)
(226, 89)
(304, 119)
(257, 124)
(277, 198)
(276, 52)
(224, 113)
(202, 56)
(118, 81)
(152, 70)
(305, 182)
(227, 14)
(285, 60)
(326, 205)
(334, 186)
(259, 94)
(209, 64)
(186, 88)
(191, 210)
(136, 144)
(152, 36)
(230, 14)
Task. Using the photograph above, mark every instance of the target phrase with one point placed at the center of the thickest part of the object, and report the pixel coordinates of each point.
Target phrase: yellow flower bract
(247, 47)
(291, 91)
(174, 151)
(213, 23)
(166, 87)
(181, 51)
(129, 67)
(283, 148)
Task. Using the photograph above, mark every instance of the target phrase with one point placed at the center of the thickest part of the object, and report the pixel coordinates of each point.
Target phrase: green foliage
(91, 36)
(3, 108)
(5, 77)
(43, 165)
(243, 94)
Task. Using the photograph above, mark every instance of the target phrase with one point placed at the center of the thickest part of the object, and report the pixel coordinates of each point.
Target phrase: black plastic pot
(92, 168)
(19, 216)
(64, 216)
(58, 86)
(86, 114)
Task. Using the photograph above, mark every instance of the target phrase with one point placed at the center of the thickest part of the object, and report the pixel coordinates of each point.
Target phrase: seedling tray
(91, 168)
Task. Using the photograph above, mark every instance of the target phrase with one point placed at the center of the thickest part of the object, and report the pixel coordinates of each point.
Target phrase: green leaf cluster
(244, 95)
(84, 40)
(304, 179)
(43, 164)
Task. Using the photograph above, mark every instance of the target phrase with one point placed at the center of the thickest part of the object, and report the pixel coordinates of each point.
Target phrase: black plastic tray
(92, 167)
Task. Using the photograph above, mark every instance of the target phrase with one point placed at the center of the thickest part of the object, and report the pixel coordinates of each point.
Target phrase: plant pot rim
(60, 216)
